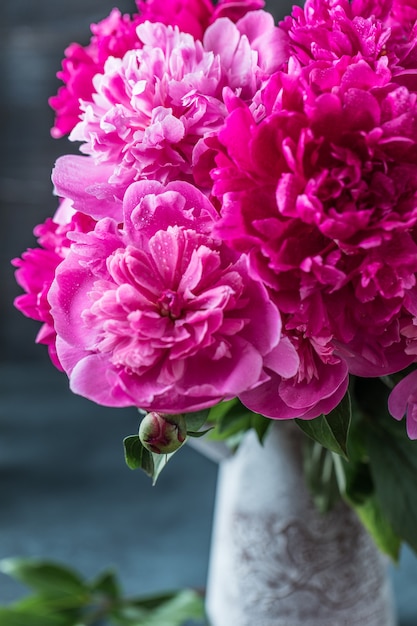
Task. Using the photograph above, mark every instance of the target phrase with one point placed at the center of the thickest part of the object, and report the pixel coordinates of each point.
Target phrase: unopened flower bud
(162, 433)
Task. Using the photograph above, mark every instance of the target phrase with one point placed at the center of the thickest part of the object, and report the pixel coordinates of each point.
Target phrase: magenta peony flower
(191, 16)
(36, 270)
(235, 9)
(321, 194)
(403, 401)
(160, 315)
(194, 16)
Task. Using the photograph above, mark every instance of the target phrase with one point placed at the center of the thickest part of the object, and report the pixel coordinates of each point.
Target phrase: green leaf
(261, 425)
(44, 576)
(199, 433)
(186, 605)
(154, 600)
(236, 418)
(18, 617)
(137, 456)
(357, 489)
(159, 463)
(331, 430)
(44, 609)
(174, 611)
(393, 463)
(195, 420)
(379, 527)
(107, 585)
(220, 410)
(229, 418)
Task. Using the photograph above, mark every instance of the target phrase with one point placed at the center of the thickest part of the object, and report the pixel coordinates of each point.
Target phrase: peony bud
(162, 433)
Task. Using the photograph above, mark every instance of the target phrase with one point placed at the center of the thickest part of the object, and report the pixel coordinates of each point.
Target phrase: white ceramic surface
(276, 561)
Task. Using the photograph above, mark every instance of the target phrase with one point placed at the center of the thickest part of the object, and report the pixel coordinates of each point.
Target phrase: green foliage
(138, 457)
(331, 430)
(357, 452)
(196, 420)
(369, 460)
(43, 576)
(231, 420)
(320, 474)
(226, 421)
(63, 598)
(393, 462)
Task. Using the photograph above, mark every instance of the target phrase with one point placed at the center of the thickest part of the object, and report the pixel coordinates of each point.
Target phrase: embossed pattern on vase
(276, 561)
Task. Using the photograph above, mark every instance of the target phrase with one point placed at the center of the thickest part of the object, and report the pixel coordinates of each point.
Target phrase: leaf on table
(185, 604)
(43, 576)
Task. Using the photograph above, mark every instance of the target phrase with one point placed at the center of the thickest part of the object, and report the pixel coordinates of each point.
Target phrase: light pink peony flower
(159, 314)
(403, 401)
(153, 109)
(116, 34)
(36, 270)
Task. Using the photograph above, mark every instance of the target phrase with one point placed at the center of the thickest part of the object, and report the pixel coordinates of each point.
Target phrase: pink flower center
(171, 304)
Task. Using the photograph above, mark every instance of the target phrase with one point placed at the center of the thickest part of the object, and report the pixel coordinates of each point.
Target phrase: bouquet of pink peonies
(237, 241)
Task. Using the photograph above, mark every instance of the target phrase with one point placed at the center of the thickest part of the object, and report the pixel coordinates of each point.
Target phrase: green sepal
(159, 462)
(331, 430)
(138, 457)
(199, 433)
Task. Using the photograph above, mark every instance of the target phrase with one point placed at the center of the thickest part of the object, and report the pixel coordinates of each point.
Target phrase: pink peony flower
(153, 109)
(116, 34)
(403, 401)
(321, 194)
(86, 185)
(36, 270)
(160, 315)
